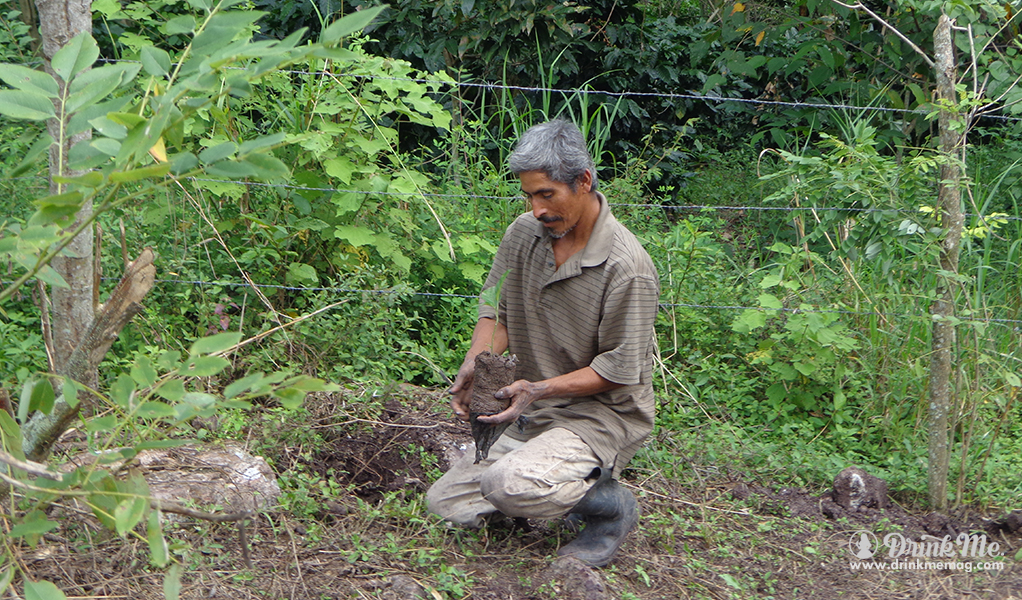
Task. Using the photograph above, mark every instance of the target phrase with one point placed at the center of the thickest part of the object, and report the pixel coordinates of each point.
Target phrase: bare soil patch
(713, 535)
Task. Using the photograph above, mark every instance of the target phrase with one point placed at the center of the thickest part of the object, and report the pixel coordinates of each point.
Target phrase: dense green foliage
(368, 181)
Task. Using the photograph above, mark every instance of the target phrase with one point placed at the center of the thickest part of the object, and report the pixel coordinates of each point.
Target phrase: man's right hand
(461, 391)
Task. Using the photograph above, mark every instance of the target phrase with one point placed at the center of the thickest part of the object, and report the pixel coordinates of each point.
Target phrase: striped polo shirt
(597, 310)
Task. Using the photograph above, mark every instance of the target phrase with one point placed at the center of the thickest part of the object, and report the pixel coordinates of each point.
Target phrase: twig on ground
(30, 467)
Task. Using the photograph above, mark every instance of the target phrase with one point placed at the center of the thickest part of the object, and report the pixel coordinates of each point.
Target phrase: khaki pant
(539, 479)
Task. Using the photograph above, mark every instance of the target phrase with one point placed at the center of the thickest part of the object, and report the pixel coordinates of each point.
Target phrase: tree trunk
(943, 309)
(73, 308)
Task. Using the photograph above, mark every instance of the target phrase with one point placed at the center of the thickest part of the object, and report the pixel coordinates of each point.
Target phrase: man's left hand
(522, 393)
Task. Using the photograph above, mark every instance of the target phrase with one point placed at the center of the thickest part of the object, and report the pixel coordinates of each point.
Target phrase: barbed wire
(409, 292)
(663, 305)
(623, 94)
(663, 206)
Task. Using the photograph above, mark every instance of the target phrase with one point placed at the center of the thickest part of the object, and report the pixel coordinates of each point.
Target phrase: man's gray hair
(556, 148)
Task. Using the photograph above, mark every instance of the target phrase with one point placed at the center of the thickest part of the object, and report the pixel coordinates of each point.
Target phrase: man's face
(555, 204)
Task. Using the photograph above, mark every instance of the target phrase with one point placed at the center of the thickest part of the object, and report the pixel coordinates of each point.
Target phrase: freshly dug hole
(493, 372)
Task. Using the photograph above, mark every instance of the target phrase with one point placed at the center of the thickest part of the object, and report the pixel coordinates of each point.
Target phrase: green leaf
(29, 80)
(19, 104)
(712, 82)
(70, 391)
(49, 275)
(82, 120)
(204, 366)
(143, 373)
(350, 23)
(129, 512)
(36, 394)
(154, 410)
(42, 590)
(805, 368)
(304, 383)
(777, 393)
(268, 167)
(301, 274)
(92, 179)
(839, 400)
(98, 151)
(221, 29)
(34, 527)
(749, 320)
(215, 343)
(218, 152)
(250, 382)
(101, 424)
(203, 404)
(183, 162)
(770, 301)
(122, 391)
(41, 145)
(172, 583)
(76, 56)
(97, 84)
(55, 208)
(290, 398)
(341, 168)
(172, 390)
(158, 170)
(5, 580)
(182, 24)
(158, 551)
(201, 5)
(155, 61)
(354, 235)
(231, 169)
(261, 143)
(10, 434)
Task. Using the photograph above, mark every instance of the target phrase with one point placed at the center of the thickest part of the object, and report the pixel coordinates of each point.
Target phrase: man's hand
(522, 393)
(461, 391)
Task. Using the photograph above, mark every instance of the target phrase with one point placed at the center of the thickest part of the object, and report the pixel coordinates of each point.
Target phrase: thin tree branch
(876, 17)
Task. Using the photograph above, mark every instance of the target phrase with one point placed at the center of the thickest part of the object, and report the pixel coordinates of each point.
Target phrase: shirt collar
(601, 240)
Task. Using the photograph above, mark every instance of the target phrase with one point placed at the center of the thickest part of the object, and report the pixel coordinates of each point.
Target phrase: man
(577, 307)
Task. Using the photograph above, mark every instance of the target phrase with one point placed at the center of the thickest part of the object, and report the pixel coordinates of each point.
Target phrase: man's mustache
(547, 219)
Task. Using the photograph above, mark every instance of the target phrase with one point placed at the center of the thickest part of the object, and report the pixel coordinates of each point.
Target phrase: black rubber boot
(609, 512)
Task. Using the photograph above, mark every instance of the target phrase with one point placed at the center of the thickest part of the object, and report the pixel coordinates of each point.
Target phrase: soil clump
(492, 373)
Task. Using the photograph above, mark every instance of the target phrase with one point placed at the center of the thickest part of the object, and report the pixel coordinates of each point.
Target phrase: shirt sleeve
(626, 330)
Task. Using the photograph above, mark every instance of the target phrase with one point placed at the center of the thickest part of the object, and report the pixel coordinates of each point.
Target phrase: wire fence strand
(714, 98)
(666, 205)
(663, 305)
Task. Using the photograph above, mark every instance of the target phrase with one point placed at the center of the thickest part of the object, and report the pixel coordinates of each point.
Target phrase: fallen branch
(42, 431)
(155, 503)
(32, 468)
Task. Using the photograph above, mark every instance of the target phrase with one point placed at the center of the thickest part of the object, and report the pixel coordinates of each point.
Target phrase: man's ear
(585, 181)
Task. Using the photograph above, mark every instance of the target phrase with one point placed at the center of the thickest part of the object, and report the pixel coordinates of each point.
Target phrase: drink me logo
(863, 545)
(938, 553)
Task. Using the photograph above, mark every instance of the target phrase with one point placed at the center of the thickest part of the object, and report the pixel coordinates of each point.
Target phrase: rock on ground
(855, 489)
(568, 578)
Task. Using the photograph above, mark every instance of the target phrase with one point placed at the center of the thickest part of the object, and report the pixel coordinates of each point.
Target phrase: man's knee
(507, 489)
